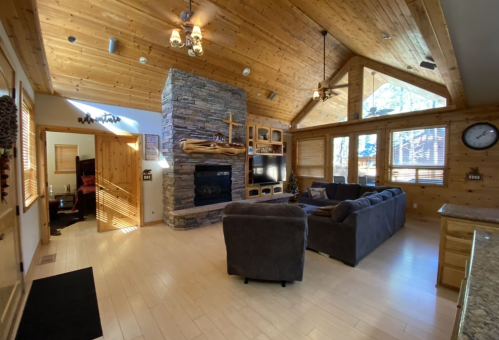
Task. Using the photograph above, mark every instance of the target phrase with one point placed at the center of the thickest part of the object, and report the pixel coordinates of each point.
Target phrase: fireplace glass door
(213, 184)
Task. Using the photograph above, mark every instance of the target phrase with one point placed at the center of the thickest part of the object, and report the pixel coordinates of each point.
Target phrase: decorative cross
(230, 122)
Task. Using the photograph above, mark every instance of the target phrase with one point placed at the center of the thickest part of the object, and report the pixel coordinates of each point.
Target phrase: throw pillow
(317, 193)
(368, 193)
(88, 180)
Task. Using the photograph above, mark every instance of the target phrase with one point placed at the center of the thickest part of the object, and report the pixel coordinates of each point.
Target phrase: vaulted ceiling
(278, 40)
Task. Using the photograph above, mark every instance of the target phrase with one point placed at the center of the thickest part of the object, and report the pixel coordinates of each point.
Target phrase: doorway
(356, 158)
(106, 174)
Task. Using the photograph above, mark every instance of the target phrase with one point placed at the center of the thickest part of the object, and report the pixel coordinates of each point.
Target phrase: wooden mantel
(206, 146)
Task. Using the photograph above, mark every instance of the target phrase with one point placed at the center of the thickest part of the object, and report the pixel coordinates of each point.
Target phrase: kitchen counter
(481, 300)
(470, 213)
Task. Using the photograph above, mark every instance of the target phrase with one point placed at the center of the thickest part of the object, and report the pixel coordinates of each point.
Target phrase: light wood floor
(155, 284)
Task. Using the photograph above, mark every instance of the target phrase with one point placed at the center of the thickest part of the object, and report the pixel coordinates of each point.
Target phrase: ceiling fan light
(198, 49)
(316, 95)
(196, 33)
(175, 38)
(191, 52)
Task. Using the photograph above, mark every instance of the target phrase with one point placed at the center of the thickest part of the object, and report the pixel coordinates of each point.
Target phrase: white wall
(58, 111)
(86, 150)
(30, 220)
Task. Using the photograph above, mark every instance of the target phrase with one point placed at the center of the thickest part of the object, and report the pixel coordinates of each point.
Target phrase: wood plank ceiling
(279, 40)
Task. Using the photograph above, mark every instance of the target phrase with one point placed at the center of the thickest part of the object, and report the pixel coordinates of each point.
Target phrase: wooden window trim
(324, 140)
(445, 168)
(61, 172)
(24, 97)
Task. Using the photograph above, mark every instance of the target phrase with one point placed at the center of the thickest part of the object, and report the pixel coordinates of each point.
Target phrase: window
(28, 151)
(367, 151)
(340, 159)
(333, 110)
(65, 158)
(385, 95)
(310, 158)
(418, 155)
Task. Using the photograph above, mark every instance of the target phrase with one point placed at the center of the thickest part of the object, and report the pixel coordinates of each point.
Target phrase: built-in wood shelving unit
(262, 140)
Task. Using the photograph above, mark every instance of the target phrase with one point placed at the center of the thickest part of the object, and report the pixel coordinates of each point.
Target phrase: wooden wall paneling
(267, 121)
(355, 90)
(430, 19)
(429, 198)
(43, 184)
(20, 21)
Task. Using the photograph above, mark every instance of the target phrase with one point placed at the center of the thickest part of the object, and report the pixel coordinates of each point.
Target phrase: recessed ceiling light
(143, 60)
(258, 95)
(72, 39)
(246, 71)
(385, 36)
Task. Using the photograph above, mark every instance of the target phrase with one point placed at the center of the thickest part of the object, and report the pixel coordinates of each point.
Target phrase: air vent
(47, 259)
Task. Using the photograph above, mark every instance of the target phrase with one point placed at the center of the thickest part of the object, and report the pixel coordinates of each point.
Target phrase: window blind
(418, 155)
(310, 158)
(65, 157)
(28, 151)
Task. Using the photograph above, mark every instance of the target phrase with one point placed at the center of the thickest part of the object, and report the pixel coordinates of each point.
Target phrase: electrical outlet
(415, 205)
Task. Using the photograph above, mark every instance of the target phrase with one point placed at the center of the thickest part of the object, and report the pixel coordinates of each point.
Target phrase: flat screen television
(269, 169)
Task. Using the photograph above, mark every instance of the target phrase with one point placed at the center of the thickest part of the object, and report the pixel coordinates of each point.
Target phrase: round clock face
(480, 136)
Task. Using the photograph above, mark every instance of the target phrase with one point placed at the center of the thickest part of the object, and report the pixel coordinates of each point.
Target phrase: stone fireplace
(212, 184)
(195, 107)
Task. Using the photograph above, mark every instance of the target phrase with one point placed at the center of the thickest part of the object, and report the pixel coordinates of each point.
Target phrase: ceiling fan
(190, 23)
(373, 111)
(324, 92)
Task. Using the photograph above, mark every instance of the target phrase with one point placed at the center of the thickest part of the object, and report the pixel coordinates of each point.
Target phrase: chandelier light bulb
(196, 33)
(191, 52)
(198, 49)
(316, 95)
(175, 38)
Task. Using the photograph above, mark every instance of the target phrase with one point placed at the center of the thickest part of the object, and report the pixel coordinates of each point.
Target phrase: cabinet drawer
(456, 260)
(452, 277)
(458, 245)
(460, 230)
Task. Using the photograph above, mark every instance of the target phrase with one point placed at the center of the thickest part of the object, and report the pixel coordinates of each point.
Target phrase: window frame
(59, 172)
(25, 97)
(324, 155)
(445, 169)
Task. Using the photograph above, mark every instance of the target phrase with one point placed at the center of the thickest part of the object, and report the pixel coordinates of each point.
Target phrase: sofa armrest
(305, 194)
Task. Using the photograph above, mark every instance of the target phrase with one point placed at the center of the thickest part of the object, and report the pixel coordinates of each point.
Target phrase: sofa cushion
(347, 192)
(326, 202)
(395, 191)
(375, 199)
(319, 184)
(264, 209)
(386, 195)
(347, 207)
(317, 193)
(368, 193)
(366, 188)
(331, 189)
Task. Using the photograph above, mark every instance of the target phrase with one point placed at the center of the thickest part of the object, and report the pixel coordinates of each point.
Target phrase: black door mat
(63, 220)
(62, 307)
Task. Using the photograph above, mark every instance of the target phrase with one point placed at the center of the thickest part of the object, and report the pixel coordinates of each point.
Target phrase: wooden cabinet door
(11, 279)
(118, 182)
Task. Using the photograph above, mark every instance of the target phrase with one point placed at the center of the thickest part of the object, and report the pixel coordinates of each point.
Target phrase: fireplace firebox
(213, 184)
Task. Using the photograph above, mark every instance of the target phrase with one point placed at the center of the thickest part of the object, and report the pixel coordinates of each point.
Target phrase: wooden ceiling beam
(20, 21)
(430, 19)
(335, 78)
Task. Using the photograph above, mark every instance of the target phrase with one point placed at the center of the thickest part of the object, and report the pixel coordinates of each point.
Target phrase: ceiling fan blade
(204, 13)
(228, 38)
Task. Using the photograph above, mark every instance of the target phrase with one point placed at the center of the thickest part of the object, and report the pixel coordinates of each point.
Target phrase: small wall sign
(152, 147)
(105, 118)
(147, 175)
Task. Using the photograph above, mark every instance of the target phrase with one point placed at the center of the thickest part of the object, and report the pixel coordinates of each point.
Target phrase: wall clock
(480, 136)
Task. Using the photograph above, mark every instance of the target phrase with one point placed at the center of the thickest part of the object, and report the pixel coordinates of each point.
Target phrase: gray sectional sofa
(358, 225)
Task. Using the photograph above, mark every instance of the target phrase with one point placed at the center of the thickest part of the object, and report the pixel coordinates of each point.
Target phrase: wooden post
(230, 122)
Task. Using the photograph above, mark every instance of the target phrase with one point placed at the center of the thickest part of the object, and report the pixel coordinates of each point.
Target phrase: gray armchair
(265, 241)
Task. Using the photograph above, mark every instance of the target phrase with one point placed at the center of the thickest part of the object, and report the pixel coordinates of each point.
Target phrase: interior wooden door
(11, 277)
(118, 182)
